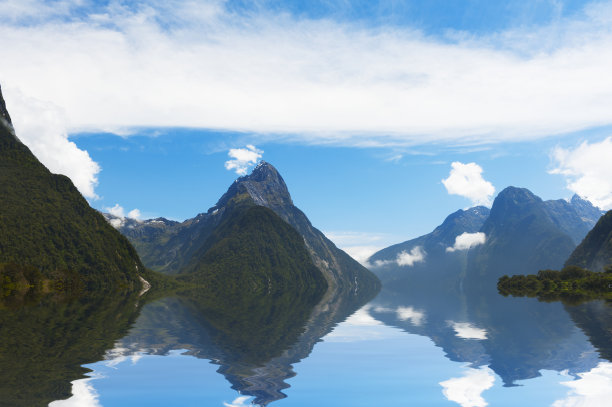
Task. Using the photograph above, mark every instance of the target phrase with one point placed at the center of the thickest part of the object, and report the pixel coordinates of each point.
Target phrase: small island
(572, 284)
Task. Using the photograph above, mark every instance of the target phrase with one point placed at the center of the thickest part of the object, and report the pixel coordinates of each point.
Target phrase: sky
(383, 117)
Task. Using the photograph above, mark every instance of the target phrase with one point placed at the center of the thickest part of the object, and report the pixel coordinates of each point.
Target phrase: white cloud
(360, 245)
(413, 315)
(361, 326)
(83, 395)
(416, 255)
(466, 180)
(593, 389)
(195, 64)
(465, 330)
(466, 241)
(404, 258)
(42, 126)
(242, 159)
(362, 253)
(118, 211)
(588, 170)
(467, 390)
(239, 402)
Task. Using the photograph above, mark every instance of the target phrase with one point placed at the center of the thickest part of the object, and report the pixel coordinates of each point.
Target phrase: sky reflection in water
(362, 362)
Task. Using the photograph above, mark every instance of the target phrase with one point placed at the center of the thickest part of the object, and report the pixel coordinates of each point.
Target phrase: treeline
(572, 284)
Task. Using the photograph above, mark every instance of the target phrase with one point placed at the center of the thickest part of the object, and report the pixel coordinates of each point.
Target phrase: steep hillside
(438, 263)
(171, 248)
(595, 251)
(46, 223)
(521, 238)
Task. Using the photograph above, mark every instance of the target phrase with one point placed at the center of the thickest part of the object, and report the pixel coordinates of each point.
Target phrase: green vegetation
(44, 345)
(572, 285)
(45, 223)
(253, 249)
(252, 328)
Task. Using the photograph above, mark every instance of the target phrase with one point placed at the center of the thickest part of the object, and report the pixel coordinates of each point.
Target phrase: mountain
(523, 235)
(438, 263)
(576, 217)
(595, 251)
(46, 223)
(175, 247)
(254, 249)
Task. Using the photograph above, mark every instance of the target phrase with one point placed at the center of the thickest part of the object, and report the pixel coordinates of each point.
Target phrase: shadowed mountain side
(595, 251)
(46, 223)
(255, 339)
(170, 247)
(520, 234)
(595, 320)
(438, 265)
(575, 218)
(253, 250)
(43, 346)
(522, 238)
(514, 337)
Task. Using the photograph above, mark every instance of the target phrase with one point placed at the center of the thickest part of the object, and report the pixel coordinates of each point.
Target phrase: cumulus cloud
(465, 330)
(467, 390)
(118, 211)
(466, 241)
(239, 402)
(404, 258)
(242, 159)
(466, 180)
(416, 317)
(404, 313)
(43, 127)
(593, 389)
(83, 395)
(416, 255)
(588, 170)
(199, 64)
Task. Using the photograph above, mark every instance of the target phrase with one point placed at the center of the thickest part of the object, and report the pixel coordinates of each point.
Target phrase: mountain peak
(262, 171)
(265, 186)
(517, 194)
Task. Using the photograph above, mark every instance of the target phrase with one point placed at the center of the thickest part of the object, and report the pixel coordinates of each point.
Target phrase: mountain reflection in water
(515, 337)
(256, 341)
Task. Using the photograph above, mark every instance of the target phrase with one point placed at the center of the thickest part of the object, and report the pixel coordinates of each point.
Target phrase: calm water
(401, 348)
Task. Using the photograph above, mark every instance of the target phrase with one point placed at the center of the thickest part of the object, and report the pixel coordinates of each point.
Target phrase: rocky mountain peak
(587, 211)
(265, 186)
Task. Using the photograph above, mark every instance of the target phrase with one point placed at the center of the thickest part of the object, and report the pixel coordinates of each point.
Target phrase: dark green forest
(572, 284)
(47, 224)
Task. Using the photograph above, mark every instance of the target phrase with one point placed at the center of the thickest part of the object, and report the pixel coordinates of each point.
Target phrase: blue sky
(363, 106)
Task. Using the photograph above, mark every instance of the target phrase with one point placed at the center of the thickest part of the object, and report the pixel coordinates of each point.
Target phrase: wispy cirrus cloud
(181, 63)
(198, 64)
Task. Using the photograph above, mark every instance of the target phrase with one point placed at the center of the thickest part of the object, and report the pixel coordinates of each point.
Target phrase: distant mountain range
(521, 234)
(47, 226)
(186, 247)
